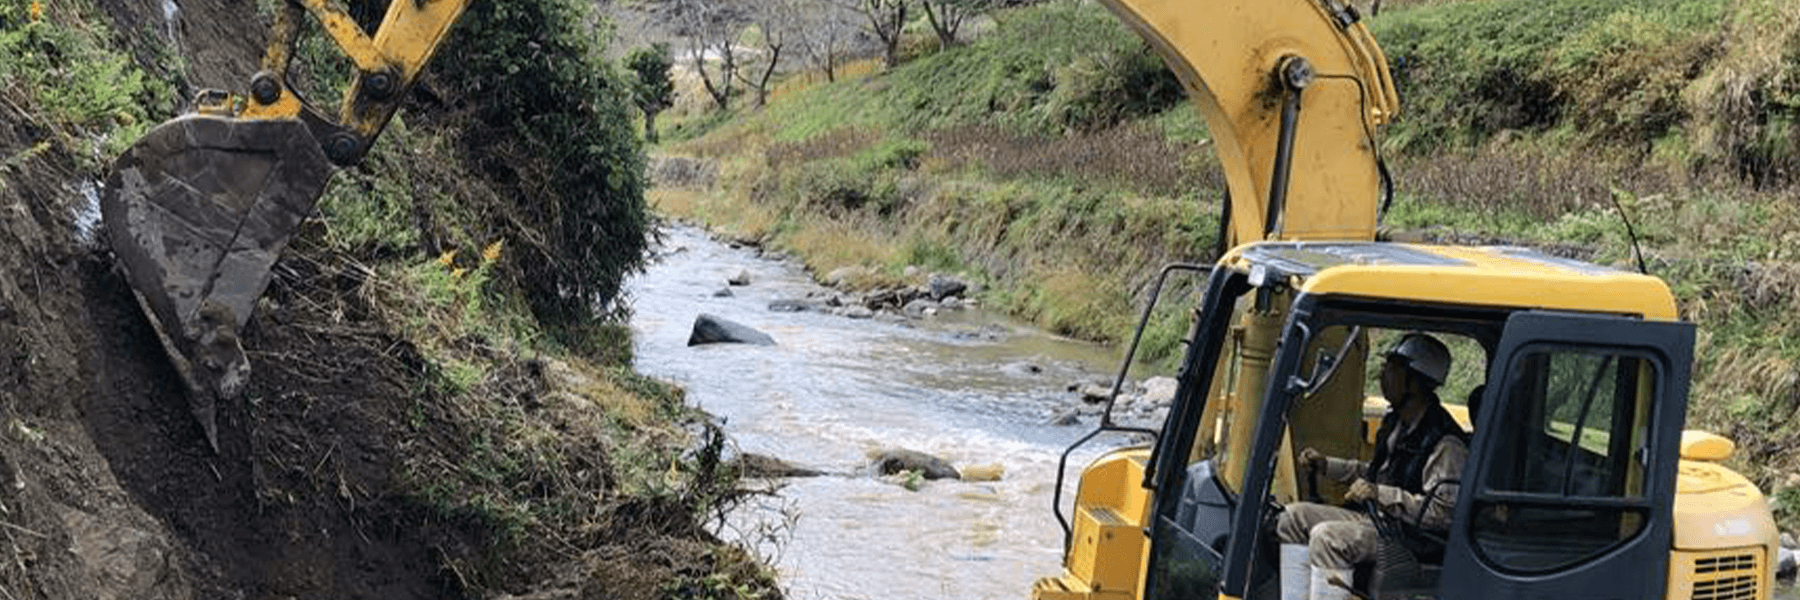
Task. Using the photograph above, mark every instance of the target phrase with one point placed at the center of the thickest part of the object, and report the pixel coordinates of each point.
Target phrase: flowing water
(833, 389)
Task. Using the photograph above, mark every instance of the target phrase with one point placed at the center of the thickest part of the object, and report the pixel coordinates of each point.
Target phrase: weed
(929, 254)
(912, 479)
(92, 96)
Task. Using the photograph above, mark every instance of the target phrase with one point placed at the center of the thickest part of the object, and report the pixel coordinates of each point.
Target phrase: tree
(712, 29)
(886, 21)
(948, 16)
(778, 22)
(824, 34)
(653, 91)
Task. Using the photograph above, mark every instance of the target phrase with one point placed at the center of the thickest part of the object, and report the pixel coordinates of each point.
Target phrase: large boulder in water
(889, 462)
(709, 329)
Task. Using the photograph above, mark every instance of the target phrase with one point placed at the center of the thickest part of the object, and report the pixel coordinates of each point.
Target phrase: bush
(552, 127)
(57, 62)
(1046, 69)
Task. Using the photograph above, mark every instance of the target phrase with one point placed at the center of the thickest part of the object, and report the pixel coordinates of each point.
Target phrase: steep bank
(419, 425)
(1029, 168)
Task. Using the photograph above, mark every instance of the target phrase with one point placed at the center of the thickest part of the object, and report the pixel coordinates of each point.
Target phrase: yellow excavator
(1580, 481)
(199, 209)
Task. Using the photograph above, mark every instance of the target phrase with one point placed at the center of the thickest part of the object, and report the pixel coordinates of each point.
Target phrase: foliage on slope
(431, 415)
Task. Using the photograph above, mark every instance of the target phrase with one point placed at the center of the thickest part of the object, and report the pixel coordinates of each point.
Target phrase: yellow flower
(492, 252)
(37, 11)
(458, 272)
(448, 258)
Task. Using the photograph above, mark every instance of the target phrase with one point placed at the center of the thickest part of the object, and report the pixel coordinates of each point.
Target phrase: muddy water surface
(834, 389)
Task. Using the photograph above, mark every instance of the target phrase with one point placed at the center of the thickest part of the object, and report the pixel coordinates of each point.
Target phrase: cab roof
(1493, 276)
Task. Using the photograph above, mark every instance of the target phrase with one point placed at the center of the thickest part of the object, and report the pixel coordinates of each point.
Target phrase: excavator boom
(199, 209)
(1241, 62)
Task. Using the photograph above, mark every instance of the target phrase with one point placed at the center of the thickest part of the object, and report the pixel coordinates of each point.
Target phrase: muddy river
(833, 389)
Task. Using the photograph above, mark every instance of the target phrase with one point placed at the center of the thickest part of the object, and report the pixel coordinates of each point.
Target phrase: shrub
(60, 58)
(551, 126)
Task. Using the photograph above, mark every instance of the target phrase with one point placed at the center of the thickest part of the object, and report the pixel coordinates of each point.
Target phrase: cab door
(1569, 488)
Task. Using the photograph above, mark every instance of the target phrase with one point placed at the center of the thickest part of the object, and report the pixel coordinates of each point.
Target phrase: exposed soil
(299, 501)
(100, 455)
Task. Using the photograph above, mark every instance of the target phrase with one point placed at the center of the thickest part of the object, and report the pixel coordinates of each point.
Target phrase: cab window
(1565, 482)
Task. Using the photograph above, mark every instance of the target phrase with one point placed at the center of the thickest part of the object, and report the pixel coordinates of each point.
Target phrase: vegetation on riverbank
(1063, 180)
(443, 403)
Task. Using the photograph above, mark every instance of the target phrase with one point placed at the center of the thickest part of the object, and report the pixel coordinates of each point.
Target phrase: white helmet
(1425, 355)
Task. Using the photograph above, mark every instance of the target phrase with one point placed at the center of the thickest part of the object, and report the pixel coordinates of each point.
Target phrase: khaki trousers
(1338, 538)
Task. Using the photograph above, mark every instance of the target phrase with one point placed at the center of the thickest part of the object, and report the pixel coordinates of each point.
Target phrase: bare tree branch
(824, 34)
(947, 17)
(711, 28)
(885, 20)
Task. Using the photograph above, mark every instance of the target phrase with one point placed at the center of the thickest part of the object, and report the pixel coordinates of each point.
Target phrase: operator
(1411, 479)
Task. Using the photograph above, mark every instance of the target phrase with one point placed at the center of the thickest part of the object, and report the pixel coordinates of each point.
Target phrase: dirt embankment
(109, 489)
(323, 485)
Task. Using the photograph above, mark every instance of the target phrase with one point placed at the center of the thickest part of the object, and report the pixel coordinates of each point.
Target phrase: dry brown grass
(839, 143)
(811, 77)
(827, 243)
(732, 212)
(1542, 183)
(1133, 157)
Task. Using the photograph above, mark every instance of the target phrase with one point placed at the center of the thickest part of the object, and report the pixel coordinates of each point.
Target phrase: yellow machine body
(1226, 52)
(1724, 537)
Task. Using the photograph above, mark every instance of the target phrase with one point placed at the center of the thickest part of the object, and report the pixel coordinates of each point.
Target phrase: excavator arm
(1292, 91)
(199, 209)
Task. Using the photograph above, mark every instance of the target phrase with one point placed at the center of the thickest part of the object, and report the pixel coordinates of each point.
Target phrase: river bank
(970, 386)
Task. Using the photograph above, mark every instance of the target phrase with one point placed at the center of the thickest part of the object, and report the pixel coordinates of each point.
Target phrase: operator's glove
(1361, 491)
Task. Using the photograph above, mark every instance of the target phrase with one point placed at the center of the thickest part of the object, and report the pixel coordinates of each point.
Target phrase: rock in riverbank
(895, 460)
(709, 329)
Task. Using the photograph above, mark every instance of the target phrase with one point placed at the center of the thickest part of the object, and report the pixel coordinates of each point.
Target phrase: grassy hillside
(1051, 159)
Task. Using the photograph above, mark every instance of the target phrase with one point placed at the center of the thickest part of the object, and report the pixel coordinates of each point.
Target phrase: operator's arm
(1442, 473)
(1344, 470)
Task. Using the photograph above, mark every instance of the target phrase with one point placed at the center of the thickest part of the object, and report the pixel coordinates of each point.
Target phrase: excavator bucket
(197, 212)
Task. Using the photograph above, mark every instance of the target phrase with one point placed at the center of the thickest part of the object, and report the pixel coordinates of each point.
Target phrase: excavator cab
(1569, 485)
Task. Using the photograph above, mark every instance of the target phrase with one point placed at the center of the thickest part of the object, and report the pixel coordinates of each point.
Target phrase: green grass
(1045, 70)
(60, 66)
(1467, 70)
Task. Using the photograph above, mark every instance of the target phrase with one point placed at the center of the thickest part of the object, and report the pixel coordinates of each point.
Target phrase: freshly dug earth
(343, 474)
(109, 489)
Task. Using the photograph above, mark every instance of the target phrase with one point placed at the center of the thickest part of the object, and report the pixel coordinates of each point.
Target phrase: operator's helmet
(1425, 355)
